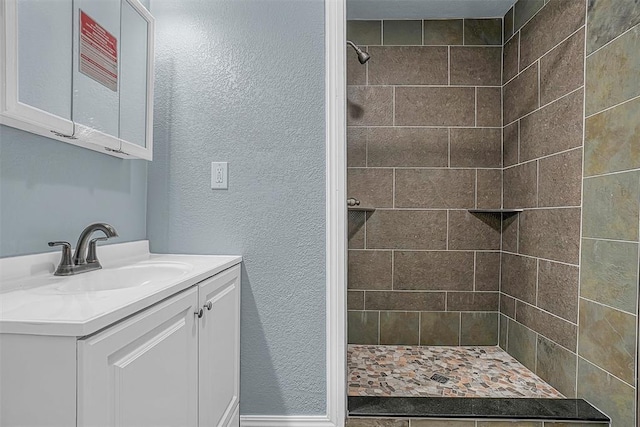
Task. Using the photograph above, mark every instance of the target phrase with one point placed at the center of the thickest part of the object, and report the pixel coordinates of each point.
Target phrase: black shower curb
(475, 408)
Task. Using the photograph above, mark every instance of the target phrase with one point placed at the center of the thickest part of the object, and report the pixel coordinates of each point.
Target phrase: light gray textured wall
(50, 190)
(242, 81)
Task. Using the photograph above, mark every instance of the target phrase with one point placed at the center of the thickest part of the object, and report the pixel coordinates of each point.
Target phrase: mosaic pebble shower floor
(378, 370)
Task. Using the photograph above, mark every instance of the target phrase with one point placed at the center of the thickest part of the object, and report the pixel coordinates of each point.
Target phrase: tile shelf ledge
(360, 209)
(506, 212)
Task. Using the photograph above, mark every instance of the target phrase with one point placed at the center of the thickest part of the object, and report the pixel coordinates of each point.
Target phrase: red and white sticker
(98, 53)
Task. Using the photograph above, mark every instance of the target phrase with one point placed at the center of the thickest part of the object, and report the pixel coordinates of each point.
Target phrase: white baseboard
(285, 421)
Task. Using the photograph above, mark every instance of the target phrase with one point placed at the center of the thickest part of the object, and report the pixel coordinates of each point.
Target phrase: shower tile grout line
(520, 70)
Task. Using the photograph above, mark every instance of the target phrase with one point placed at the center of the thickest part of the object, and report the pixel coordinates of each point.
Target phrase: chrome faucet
(83, 259)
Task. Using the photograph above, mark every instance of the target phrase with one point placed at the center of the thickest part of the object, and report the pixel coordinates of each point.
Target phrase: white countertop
(31, 303)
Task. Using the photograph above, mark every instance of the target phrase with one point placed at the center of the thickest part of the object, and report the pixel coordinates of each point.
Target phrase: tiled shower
(451, 119)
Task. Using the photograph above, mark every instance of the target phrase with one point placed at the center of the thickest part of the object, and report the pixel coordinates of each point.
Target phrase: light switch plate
(219, 175)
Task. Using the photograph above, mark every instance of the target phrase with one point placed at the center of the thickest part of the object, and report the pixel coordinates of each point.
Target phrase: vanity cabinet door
(220, 349)
(35, 73)
(144, 370)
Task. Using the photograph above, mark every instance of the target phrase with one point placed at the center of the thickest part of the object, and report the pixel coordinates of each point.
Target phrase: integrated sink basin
(125, 277)
(35, 301)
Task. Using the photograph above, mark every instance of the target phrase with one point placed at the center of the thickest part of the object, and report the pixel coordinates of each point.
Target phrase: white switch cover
(219, 176)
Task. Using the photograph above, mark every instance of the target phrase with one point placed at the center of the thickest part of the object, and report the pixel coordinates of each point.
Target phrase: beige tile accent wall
(425, 145)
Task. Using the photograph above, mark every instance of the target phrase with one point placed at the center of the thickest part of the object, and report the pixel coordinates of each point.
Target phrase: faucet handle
(92, 255)
(65, 262)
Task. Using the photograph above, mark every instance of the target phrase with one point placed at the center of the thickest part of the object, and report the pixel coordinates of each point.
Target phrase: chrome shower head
(362, 55)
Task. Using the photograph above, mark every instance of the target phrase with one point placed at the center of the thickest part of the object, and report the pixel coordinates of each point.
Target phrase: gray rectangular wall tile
(472, 301)
(439, 328)
(483, 31)
(365, 32)
(553, 234)
(362, 327)
(369, 269)
(521, 344)
(510, 64)
(411, 301)
(520, 186)
(524, 10)
(553, 328)
(489, 189)
(558, 289)
(510, 231)
(557, 366)
(511, 144)
(475, 66)
(443, 32)
(489, 107)
(355, 224)
(408, 65)
(476, 148)
(403, 32)
(435, 188)
(450, 271)
(507, 306)
(369, 105)
(435, 106)
(560, 179)
(520, 95)
(399, 328)
(487, 271)
(407, 147)
(356, 147)
(373, 187)
(508, 29)
(389, 229)
(503, 332)
(554, 128)
(355, 300)
(519, 277)
(356, 72)
(562, 69)
(555, 22)
(479, 329)
(473, 231)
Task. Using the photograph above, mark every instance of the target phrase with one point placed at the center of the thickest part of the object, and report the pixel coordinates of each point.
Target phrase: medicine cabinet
(79, 71)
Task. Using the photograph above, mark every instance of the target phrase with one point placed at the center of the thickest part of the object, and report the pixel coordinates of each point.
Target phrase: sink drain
(439, 378)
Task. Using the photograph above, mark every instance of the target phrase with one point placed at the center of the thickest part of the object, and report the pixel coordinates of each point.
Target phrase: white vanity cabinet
(219, 387)
(79, 71)
(143, 371)
(175, 363)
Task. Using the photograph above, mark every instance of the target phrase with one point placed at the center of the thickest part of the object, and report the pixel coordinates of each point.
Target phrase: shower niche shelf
(360, 209)
(497, 211)
(502, 212)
